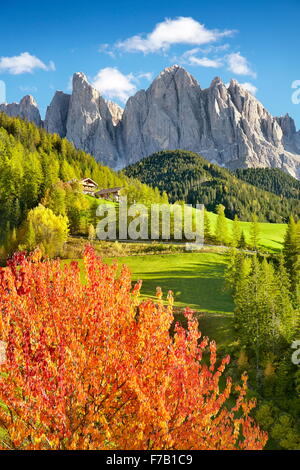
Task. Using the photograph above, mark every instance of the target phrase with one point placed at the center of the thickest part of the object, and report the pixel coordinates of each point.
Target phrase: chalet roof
(83, 181)
(88, 180)
(109, 190)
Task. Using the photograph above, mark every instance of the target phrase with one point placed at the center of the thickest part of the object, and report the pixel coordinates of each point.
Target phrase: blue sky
(122, 45)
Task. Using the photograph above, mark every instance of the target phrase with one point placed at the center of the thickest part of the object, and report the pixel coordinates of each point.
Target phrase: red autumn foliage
(90, 366)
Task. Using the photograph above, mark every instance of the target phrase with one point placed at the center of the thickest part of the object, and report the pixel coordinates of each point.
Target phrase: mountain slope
(227, 125)
(189, 177)
(33, 162)
(272, 180)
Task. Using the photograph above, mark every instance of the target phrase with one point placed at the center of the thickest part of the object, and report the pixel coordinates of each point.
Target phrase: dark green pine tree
(242, 241)
(236, 231)
(290, 252)
(288, 314)
(254, 232)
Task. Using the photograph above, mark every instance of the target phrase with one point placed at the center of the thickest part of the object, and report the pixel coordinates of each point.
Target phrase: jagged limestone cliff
(227, 125)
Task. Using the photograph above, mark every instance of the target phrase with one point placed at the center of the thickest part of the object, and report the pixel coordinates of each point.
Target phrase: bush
(46, 230)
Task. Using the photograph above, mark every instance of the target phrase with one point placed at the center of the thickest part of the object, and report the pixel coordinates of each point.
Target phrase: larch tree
(254, 232)
(236, 232)
(221, 226)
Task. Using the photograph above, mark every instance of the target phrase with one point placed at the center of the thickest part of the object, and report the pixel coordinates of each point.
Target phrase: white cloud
(113, 84)
(28, 88)
(106, 49)
(51, 66)
(23, 63)
(182, 30)
(191, 52)
(147, 75)
(205, 62)
(214, 49)
(239, 65)
(250, 87)
(189, 57)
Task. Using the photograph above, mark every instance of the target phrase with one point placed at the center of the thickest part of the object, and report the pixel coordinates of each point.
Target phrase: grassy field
(197, 281)
(195, 278)
(271, 236)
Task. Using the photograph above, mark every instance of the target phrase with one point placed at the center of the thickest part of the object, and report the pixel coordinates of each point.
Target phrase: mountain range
(224, 123)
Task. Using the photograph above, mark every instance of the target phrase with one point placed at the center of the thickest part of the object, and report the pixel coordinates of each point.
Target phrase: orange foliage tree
(90, 366)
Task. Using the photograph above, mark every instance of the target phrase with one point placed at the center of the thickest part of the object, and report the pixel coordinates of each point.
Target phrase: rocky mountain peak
(116, 112)
(170, 70)
(217, 88)
(217, 81)
(287, 124)
(81, 86)
(57, 114)
(79, 78)
(291, 138)
(27, 109)
(28, 100)
(89, 123)
(227, 125)
(174, 74)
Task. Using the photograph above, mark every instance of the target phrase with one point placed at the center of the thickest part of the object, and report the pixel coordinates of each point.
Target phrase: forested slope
(34, 163)
(188, 176)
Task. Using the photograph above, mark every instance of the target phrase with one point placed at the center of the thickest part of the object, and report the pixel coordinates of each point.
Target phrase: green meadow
(271, 236)
(197, 281)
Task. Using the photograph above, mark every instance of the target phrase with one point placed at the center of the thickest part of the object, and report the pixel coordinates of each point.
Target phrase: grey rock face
(239, 131)
(27, 109)
(291, 138)
(166, 116)
(227, 125)
(89, 123)
(116, 112)
(57, 114)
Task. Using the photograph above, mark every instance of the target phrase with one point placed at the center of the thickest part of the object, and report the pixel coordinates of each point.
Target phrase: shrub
(46, 230)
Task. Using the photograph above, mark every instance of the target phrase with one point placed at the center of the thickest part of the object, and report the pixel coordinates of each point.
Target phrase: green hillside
(271, 236)
(272, 180)
(189, 177)
(34, 165)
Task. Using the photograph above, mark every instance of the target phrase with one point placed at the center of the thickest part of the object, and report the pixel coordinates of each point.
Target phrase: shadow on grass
(201, 294)
(197, 285)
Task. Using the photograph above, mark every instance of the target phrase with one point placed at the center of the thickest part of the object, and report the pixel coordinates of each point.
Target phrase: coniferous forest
(267, 322)
(39, 168)
(186, 176)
